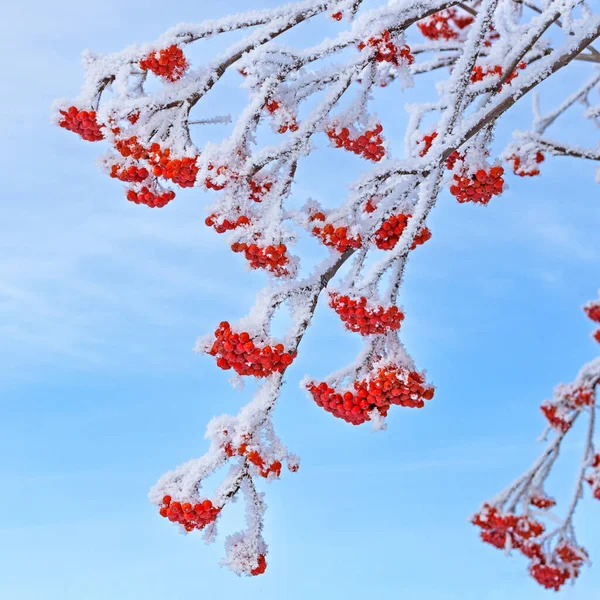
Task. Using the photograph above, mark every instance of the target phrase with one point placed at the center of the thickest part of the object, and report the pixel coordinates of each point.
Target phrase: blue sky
(100, 305)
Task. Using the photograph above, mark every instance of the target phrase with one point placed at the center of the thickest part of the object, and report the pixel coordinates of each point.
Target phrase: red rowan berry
(169, 63)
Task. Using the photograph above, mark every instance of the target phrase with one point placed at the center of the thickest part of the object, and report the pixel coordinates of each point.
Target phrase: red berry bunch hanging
(287, 121)
(557, 417)
(169, 63)
(592, 310)
(182, 171)
(191, 517)
(480, 72)
(81, 122)
(130, 147)
(271, 258)
(150, 198)
(387, 51)
(222, 173)
(593, 478)
(529, 169)
(387, 236)
(359, 316)
(427, 142)
(389, 385)
(452, 160)
(542, 502)
(337, 16)
(225, 224)
(479, 187)
(258, 190)
(265, 468)
(237, 351)
(564, 564)
(438, 26)
(196, 516)
(334, 237)
(369, 144)
(131, 174)
(261, 565)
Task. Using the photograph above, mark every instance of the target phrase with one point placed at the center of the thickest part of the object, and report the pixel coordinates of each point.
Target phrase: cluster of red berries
(556, 417)
(130, 147)
(387, 236)
(237, 351)
(479, 72)
(523, 171)
(182, 171)
(437, 26)
(130, 174)
(226, 224)
(387, 51)
(390, 385)
(261, 565)
(82, 122)
(150, 198)
(479, 187)
(427, 142)
(272, 107)
(334, 237)
(362, 318)
(255, 458)
(519, 532)
(542, 502)
(192, 517)
(592, 309)
(169, 63)
(337, 16)
(271, 258)
(369, 144)
(223, 172)
(258, 190)
(594, 477)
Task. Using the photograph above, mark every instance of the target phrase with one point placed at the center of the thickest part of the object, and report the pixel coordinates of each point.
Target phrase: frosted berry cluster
(261, 565)
(264, 467)
(526, 166)
(150, 198)
(271, 258)
(337, 16)
(387, 51)
(508, 531)
(360, 316)
(238, 351)
(387, 236)
(426, 142)
(593, 477)
(226, 224)
(82, 122)
(439, 26)
(478, 187)
(182, 171)
(286, 121)
(131, 174)
(369, 144)
(592, 310)
(480, 73)
(543, 502)
(557, 416)
(169, 63)
(196, 516)
(334, 237)
(258, 190)
(389, 385)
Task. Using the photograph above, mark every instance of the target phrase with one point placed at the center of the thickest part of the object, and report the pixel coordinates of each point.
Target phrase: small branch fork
(331, 84)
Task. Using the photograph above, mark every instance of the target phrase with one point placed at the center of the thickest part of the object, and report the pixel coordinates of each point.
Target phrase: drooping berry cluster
(334, 237)
(592, 309)
(427, 141)
(226, 224)
(286, 119)
(82, 122)
(264, 468)
(337, 16)
(542, 501)
(237, 351)
(150, 198)
(182, 171)
(169, 63)
(387, 236)
(196, 516)
(259, 189)
(387, 51)
(479, 187)
(261, 565)
(369, 144)
(526, 166)
(131, 174)
(557, 416)
(593, 477)
(221, 178)
(508, 531)
(271, 258)
(360, 316)
(439, 25)
(389, 385)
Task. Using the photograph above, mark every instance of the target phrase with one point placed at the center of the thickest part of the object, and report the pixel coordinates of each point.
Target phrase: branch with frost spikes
(561, 149)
